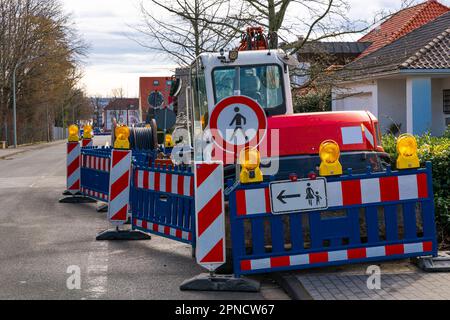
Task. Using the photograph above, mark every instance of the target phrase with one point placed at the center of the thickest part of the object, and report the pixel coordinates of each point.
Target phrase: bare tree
(118, 93)
(314, 20)
(37, 41)
(185, 29)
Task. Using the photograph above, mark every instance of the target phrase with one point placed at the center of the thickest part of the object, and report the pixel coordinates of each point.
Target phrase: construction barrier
(95, 172)
(73, 168)
(370, 217)
(85, 143)
(119, 186)
(162, 201)
(210, 215)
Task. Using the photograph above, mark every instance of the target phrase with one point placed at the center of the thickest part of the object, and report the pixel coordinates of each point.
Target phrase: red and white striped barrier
(94, 194)
(164, 182)
(336, 256)
(163, 230)
(210, 215)
(253, 201)
(73, 167)
(345, 193)
(87, 143)
(119, 187)
(377, 190)
(96, 163)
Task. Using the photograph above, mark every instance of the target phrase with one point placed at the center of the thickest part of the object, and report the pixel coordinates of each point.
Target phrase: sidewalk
(6, 153)
(400, 280)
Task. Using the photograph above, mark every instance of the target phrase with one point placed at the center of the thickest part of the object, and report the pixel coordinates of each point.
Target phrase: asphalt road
(40, 239)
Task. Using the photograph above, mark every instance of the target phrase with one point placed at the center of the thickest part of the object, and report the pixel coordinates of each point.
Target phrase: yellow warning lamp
(73, 133)
(169, 141)
(250, 160)
(203, 122)
(204, 119)
(329, 154)
(87, 131)
(407, 152)
(233, 55)
(122, 138)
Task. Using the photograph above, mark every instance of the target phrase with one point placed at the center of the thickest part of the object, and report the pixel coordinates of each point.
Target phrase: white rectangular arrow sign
(298, 196)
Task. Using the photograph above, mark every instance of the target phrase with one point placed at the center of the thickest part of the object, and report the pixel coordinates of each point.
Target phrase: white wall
(392, 103)
(438, 116)
(356, 96)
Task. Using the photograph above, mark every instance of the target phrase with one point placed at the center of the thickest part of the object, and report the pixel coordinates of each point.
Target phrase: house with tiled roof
(402, 23)
(124, 110)
(405, 83)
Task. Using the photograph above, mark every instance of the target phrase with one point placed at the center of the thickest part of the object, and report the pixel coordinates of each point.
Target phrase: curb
(293, 287)
(31, 148)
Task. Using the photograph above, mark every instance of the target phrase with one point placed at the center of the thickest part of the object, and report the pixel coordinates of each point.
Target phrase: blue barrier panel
(370, 217)
(95, 168)
(162, 201)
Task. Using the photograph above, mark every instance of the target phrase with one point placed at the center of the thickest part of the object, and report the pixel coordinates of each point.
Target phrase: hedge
(436, 150)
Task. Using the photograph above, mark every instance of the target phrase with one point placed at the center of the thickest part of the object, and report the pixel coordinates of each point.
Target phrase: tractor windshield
(263, 83)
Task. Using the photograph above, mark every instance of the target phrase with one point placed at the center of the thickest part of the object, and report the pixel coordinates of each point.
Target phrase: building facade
(405, 83)
(124, 110)
(155, 90)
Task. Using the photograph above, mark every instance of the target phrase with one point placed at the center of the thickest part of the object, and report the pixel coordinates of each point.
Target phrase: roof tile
(427, 47)
(402, 23)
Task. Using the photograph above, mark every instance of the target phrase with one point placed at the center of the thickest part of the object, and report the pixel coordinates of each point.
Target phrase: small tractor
(263, 75)
(257, 188)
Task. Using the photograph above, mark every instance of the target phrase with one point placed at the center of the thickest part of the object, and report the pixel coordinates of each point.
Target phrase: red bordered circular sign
(238, 121)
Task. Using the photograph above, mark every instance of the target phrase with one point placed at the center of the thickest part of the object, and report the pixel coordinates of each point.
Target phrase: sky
(116, 61)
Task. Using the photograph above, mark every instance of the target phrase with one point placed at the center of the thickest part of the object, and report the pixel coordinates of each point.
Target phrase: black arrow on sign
(281, 197)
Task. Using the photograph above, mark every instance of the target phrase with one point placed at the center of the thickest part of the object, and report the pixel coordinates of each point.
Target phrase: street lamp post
(14, 96)
(15, 104)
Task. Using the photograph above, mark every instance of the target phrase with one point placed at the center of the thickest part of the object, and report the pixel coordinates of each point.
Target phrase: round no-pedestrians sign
(236, 122)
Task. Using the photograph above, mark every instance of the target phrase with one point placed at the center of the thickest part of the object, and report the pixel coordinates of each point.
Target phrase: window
(168, 83)
(263, 83)
(378, 133)
(156, 83)
(447, 101)
(200, 101)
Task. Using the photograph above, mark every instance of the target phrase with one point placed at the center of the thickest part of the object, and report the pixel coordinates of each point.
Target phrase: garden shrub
(436, 150)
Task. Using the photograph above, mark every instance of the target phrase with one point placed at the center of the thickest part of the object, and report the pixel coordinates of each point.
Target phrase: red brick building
(148, 85)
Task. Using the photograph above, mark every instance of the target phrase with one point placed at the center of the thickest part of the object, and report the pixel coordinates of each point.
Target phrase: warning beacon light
(87, 131)
(233, 55)
(122, 138)
(169, 141)
(250, 161)
(73, 133)
(329, 154)
(407, 152)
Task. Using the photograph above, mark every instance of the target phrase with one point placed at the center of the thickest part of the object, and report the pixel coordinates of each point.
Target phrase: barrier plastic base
(102, 208)
(77, 199)
(437, 264)
(122, 235)
(206, 282)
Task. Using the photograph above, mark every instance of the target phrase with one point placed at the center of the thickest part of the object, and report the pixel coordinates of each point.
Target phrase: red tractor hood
(302, 134)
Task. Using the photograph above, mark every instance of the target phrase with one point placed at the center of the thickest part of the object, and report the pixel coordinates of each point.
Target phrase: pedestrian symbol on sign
(239, 121)
(310, 194)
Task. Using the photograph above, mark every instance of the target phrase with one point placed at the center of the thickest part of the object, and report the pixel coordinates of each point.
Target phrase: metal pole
(48, 125)
(15, 106)
(62, 124)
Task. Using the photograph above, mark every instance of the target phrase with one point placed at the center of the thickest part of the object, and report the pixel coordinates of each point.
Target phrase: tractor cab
(261, 75)
(253, 71)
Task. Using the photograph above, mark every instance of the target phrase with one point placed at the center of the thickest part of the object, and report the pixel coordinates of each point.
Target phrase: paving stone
(402, 283)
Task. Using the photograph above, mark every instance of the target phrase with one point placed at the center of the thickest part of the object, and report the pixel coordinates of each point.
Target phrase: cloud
(117, 61)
